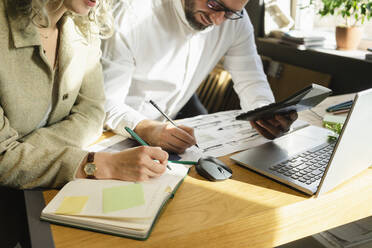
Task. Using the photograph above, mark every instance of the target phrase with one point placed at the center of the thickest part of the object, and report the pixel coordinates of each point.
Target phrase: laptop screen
(353, 150)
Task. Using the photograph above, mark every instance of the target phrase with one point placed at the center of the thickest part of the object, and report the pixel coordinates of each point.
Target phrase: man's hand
(275, 127)
(166, 135)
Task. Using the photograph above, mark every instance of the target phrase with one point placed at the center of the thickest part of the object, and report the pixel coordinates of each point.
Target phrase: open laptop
(308, 161)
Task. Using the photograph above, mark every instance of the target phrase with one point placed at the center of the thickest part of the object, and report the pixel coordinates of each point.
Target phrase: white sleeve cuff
(118, 123)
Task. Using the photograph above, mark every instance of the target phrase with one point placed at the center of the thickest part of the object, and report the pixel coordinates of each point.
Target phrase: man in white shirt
(163, 49)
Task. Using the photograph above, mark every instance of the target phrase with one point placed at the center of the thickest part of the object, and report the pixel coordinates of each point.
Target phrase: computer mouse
(213, 169)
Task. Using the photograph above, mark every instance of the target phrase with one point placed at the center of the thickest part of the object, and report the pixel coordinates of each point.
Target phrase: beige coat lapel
(72, 59)
(27, 37)
(28, 85)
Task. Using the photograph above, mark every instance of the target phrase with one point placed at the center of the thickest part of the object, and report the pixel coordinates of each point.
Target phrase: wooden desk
(248, 210)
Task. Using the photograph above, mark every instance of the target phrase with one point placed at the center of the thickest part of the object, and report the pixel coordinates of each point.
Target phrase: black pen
(166, 116)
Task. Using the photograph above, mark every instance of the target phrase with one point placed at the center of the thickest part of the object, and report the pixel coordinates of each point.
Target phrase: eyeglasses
(229, 14)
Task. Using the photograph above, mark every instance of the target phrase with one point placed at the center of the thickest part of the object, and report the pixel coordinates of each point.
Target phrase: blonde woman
(51, 96)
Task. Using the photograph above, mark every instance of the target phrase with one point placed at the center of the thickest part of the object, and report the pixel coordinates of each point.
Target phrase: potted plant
(354, 13)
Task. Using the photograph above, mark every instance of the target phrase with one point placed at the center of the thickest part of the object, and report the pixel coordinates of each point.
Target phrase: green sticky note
(122, 197)
(72, 205)
(333, 119)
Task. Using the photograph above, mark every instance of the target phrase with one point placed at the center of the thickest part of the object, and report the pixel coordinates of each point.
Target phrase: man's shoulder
(132, 16)
(139, 6)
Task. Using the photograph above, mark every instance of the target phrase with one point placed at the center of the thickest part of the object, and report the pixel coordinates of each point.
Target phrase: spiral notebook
(120, 208)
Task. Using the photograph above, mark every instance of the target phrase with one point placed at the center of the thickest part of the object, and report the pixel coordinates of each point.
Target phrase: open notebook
(121, 208)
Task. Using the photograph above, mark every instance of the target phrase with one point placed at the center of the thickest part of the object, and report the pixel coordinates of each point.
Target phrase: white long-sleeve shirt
(156, 55)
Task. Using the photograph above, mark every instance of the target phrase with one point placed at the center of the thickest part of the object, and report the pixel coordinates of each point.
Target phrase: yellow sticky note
(72, 205)
(168, 189)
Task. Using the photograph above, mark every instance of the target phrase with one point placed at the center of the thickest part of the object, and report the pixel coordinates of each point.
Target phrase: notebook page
(155, 191)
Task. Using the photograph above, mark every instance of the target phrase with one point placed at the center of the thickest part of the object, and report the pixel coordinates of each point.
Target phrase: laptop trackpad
(278, 150)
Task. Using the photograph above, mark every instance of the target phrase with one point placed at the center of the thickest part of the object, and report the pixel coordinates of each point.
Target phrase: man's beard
(190, 15)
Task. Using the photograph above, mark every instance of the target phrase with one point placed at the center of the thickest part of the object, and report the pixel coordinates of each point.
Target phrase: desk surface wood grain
(248, 210)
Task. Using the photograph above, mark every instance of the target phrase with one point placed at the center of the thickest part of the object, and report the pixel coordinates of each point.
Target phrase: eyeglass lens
(216, 6)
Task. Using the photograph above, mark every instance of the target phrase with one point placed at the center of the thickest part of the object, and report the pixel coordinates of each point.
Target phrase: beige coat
(48, 156)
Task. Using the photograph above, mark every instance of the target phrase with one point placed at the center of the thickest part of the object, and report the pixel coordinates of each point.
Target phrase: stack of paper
(369, 56)
(217, 134)
(220, 134)
(357, 234)
(302, 40)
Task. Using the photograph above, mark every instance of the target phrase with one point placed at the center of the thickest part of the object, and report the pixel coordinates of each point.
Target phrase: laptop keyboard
(307, 167)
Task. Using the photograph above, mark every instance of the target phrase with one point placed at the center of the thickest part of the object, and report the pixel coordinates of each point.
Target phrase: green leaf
(369, 6)
(363, 10)
(360, 10)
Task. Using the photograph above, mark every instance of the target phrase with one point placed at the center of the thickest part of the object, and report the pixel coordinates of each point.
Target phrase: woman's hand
(134, 164)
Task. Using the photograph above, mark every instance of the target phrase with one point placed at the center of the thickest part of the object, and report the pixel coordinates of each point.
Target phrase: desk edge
(39, 231)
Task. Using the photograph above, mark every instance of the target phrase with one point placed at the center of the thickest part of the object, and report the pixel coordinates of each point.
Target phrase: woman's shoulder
(74, 33)
(76, 44)
(4, 24)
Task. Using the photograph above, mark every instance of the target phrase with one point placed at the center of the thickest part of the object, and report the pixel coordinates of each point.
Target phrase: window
(327, 23)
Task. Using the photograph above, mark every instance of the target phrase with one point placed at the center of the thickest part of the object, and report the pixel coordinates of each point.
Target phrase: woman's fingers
(138, 164)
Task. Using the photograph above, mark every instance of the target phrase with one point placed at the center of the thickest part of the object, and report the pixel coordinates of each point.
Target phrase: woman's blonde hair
(99, 21)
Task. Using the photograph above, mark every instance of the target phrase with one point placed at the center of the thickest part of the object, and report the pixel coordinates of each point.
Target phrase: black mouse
(213, 169)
